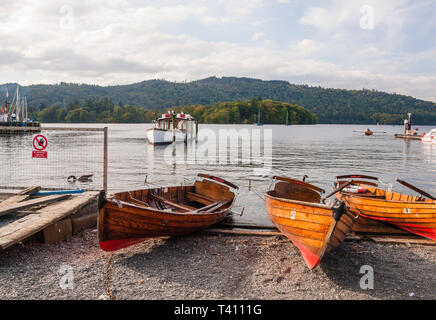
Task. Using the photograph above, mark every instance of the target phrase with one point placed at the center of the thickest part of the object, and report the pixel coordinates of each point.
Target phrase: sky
(387, 45)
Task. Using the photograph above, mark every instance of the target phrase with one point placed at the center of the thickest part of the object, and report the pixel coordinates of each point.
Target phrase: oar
(423, 193)
(337, 190)
(210, 208)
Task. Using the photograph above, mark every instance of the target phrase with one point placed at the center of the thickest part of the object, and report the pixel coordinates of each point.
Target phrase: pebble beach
(214, 267)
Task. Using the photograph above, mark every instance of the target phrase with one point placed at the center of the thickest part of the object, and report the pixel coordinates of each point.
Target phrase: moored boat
(429, 137)
(297, 210)
(415, 214)
(130, 217)
(14, 115)
(164, 130)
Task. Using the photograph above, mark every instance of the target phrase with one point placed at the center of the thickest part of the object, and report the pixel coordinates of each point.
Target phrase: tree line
(236, 112)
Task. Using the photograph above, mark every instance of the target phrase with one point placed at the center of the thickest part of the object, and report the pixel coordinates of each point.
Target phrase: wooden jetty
(54, 218)
(408, 136)
(24, 127)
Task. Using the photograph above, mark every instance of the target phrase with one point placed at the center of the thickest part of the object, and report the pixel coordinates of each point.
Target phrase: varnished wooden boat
(127, 218)
(415, 214)
(296, 209)
(368, 132)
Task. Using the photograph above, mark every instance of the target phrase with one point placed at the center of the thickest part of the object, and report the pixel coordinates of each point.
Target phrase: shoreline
(203, 266)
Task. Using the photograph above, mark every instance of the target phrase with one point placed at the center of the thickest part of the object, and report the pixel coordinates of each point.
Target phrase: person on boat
(407, 126)
(368, 132)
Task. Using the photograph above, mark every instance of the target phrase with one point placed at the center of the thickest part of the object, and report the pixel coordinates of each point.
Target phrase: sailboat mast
(25, 109)
(18, 104)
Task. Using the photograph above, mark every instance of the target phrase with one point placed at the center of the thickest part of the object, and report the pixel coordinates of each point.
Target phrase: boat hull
(429, 137)
(402, 211)
(311, 227)
(122, 223)
(157, 136)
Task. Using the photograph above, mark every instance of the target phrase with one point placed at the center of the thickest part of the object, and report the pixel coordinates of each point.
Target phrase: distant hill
(329, 105)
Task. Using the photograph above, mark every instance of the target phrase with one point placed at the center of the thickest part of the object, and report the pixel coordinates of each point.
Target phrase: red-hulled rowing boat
(130, 217)
(415, 214)
(297, 210)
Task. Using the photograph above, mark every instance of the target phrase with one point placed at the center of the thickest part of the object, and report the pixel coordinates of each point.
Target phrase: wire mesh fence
(53, 158)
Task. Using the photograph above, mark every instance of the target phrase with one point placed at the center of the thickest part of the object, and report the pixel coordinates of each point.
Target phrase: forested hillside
(329, 105)
(238, 112)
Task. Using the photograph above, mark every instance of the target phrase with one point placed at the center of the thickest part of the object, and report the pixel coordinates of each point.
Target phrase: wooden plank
(241, 232)
(14, 199)
(404, 240)
(27, 226)
(20, 196)
(72, 129)
(195, 197)
(8, 208)
(29, 191)
(172, 204)
(247, 225)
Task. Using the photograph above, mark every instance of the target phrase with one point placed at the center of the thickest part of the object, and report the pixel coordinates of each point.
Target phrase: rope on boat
(108, 291)
(150, 183)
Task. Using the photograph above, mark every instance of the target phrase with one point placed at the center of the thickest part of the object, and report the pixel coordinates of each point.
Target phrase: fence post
(105, 159)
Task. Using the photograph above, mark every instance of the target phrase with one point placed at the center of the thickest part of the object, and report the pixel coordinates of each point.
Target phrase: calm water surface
(319, 151)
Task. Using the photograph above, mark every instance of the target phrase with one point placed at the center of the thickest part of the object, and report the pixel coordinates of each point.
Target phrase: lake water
(319, 151)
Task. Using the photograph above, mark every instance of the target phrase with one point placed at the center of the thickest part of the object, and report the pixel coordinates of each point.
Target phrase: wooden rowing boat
(297, 210)
(415, 214)
(368, 132)
(127, 218)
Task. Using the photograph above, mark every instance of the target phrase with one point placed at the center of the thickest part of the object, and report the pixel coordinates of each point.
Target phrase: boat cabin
(165, 121)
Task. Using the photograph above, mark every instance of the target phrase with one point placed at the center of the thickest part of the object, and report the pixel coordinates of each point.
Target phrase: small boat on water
(415, 214)
(409, 133)
(165, 132)
(429, 137)
(130, 217)
(297, 210)
(368, 132)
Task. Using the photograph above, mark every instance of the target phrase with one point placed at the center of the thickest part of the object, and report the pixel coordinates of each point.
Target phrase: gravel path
(216, 267)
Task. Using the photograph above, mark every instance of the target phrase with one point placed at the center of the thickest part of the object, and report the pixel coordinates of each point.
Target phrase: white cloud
(118, 42)
(258, 35)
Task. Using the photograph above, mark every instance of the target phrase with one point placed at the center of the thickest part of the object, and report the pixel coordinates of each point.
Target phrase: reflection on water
(319, 151)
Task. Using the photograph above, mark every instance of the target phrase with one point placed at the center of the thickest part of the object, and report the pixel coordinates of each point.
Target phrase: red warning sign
(39, 154)
(40, 143)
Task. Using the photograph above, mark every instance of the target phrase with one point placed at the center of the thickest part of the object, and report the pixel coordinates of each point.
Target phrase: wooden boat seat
(366, 195)
(195, 197)
(295, 192)
(208, 190)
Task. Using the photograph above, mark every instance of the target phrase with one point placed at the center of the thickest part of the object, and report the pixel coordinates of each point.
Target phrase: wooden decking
(20, 225)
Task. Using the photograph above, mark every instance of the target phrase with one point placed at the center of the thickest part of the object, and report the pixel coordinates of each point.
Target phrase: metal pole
(174, 126)
(105, 160)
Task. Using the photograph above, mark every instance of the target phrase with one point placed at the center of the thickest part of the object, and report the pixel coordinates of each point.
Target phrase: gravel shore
(215, 267)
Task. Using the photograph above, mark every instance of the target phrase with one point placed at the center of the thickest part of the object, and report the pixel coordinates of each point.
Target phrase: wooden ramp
(27, 226)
